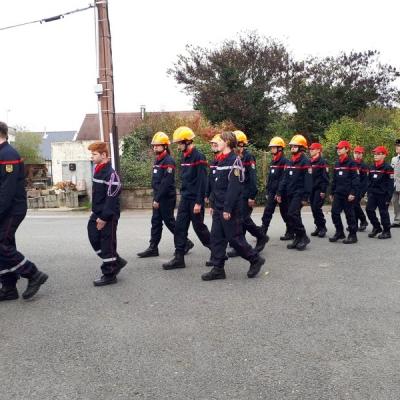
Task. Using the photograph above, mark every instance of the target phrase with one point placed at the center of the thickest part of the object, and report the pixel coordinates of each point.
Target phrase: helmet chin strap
(187, 143)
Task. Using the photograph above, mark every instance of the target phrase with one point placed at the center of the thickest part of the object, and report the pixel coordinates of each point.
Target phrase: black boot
(261, 242)
(303, 242)
(385, 235)
(121, 262)
(263, 229)
(363, 226)
(295, 242)
(213, 274)
(177, 262)
(34, 283)
(375, 231)
(151, 251)
(105, 280)
(255, 267)
(287, 236)
(8, 293)
(352, 238)
(210, 263)
(322, 232)
(315, 232)
(337, 236)
(189, 245)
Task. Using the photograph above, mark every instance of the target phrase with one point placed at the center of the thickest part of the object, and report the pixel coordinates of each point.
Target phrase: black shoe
(232, 253)
(303, 242)
(395, 225)
(215, 273)
(287, 236)
(105, 280)
(294, 244)
(315, 232)
(151, 251)
(363, 226)
(352, 238)
(255, 267)
(34, 283)
(374, 232)
(121, 262)
(322, 233)
(261, 242)
(8, 293)
(189, 246)
(385, 235)
(337, 236)
(177, 262)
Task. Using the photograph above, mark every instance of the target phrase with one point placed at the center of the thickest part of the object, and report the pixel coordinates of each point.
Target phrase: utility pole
(105, 83)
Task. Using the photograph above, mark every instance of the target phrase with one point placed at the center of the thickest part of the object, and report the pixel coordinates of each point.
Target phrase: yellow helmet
(216, 138)
(298, 140)
(160, 138)
(277, 142)
(241, 137)
(183, 133)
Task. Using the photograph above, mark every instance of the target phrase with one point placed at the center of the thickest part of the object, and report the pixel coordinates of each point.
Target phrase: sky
(48, 71)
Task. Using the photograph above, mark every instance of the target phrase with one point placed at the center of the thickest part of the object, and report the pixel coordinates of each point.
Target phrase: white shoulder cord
(114, 181)
(238, 165)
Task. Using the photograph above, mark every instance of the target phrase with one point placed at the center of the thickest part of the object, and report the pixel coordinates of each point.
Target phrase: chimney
(142, 112)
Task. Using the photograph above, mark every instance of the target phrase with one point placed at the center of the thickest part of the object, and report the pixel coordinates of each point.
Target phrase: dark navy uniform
(363, 171)
(275, 175)
(164, 193)
(13, 208)
(193, 189)
(320, 179)
(228, 193)
(249, 192)
(345, 182)
(211, 180)
(380, 191)
(296, 183)
(106, 206)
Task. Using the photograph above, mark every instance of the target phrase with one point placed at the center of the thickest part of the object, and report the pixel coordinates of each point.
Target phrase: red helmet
(344, 144)
(359, 149)
(315, 146)
(380, 149)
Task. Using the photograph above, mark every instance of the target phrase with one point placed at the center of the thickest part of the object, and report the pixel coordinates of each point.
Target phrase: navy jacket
(228, 186)
(193, 176)
(250, 175)
(105, 193)
(381, 181)
(12, 182)
(211, 180)
(163, 179)
(363, 170)
(346, 178)
(320, 175)
(297, 179)
(275, 174)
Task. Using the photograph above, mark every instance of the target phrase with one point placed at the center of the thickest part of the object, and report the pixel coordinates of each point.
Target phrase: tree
(240, 81)
(28, 146)
(324, 90)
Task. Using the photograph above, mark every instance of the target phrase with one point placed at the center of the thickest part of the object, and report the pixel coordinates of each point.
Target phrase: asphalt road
(318, 324)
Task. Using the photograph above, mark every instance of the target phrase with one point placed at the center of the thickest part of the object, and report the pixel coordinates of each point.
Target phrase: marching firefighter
(103, 222)
(358, 154)
(296, 183)
(380, 191)
(13, 208)
(227, 225)
(249, 193)
(193, 189)
(345, 189)
(276, 171)
(396, 193)
(213, 169)
(164, 194)
(320, 179)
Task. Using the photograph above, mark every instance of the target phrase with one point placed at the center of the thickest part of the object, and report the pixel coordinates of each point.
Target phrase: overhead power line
(50, 19)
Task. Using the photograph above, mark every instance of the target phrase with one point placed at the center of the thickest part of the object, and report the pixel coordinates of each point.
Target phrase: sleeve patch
(9, 168)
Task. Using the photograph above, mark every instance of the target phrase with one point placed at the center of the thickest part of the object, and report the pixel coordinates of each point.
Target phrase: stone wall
(52, 199)
(137, 198)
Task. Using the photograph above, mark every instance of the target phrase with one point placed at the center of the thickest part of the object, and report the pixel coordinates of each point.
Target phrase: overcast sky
(48, 71)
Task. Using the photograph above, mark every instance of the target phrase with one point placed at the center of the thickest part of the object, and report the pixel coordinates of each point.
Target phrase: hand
(278, 199)
(322, 195)
(351, 197)
(251, 203)
(211, 211)
(330, 197)
(304, 202)
(156, 205)
(197, 209)
(206, 199)
(227, 216)
(100, 224)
